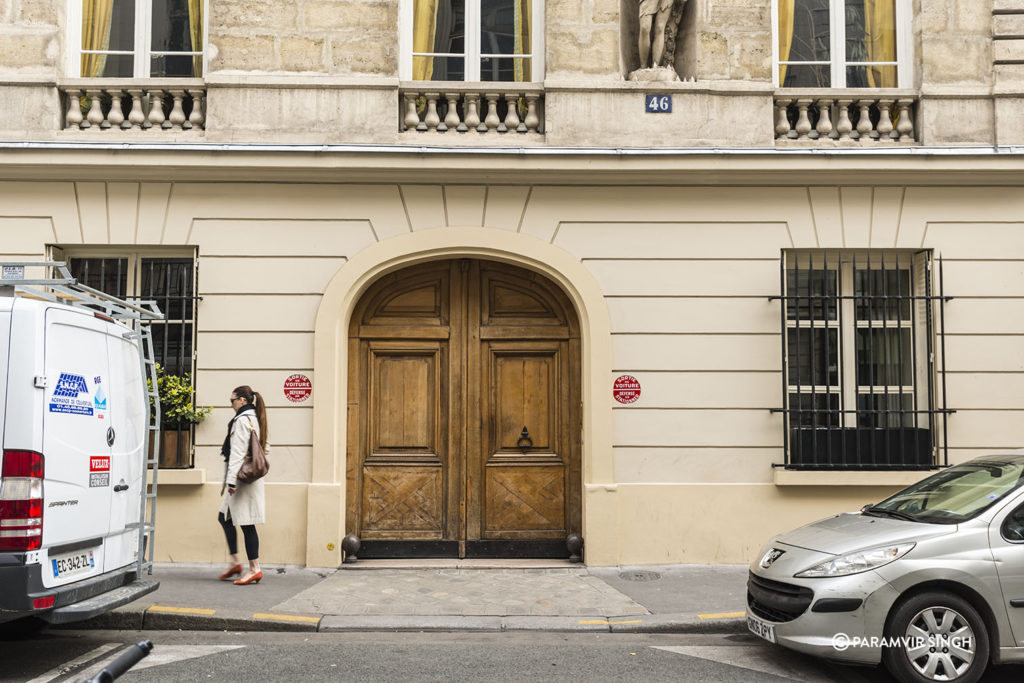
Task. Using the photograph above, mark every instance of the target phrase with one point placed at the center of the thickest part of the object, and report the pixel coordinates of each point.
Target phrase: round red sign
(297, 388)
(626, 389)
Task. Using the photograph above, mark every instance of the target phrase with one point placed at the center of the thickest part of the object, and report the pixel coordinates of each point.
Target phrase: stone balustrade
(875, 117)
(124, 104)
(439, 107)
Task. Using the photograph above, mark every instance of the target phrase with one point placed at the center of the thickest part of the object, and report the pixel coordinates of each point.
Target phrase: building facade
(537, 290)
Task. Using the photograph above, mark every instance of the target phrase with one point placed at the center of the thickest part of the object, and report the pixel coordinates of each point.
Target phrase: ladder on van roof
(57, 285)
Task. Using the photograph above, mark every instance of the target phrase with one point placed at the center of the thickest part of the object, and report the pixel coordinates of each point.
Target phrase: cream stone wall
(681, 277)
(304, 36)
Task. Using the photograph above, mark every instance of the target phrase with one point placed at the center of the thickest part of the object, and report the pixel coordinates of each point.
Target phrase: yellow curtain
(523, 38)
(880, 40)
(95, 35)
(786, 12)
(424, 28)
(195, 32)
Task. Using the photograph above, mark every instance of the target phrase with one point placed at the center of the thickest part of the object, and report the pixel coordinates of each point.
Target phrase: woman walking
(243, 503)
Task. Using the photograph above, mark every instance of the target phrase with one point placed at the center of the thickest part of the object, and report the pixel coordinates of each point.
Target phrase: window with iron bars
(170, 280)
(860, 383)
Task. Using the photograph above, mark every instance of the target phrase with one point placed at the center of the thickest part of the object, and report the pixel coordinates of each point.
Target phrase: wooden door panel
(403, 468)
(405, 397)
(522, 397)
(523, 500)
(402, 502)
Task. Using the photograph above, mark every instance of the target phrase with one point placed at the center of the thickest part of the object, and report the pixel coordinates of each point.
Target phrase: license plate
(73, 564)
(760, 628)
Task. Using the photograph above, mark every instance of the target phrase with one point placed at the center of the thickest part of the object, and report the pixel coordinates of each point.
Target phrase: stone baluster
(116, 114)
(472, 111)
(864, 126)
(95, 116)
(74, 117)
(412, 118)
(156, 108)
(532, 120)
(511, 121)
(176, 119)
(844, 125)
(782, 126)
(905, 125)
(451, 118)
(196, 118)
(432, 120)
(136, 117)
(824, 126)
(884, 126)
(491, 122)
(803, 122)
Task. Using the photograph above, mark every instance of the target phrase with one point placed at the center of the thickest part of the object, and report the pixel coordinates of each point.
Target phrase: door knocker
(525, 442)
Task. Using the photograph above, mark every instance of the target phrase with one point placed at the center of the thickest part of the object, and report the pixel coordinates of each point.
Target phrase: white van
(74, 416)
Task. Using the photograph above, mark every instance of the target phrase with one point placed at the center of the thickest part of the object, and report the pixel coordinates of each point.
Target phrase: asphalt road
(532, 656)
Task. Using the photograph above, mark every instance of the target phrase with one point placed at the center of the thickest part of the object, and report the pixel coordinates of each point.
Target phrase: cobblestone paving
(465, 592)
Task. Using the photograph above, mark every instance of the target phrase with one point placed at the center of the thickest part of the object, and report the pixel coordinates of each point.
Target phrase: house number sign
(658, 104)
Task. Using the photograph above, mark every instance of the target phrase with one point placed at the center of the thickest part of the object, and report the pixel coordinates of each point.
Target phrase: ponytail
(256, 400)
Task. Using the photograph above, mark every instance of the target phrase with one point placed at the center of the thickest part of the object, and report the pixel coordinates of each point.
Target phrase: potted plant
(178, 412)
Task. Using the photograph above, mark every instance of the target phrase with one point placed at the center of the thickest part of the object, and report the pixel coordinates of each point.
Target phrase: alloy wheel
(940, 643)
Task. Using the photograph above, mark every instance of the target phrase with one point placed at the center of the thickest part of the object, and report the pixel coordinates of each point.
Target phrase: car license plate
(73, 564)
(759, 628)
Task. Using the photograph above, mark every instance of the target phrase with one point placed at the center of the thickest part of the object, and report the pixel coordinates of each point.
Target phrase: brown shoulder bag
(255, 465)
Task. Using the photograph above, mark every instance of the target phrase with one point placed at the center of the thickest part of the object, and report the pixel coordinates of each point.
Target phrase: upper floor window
(138, 38)
(842, 43)
(472, 40)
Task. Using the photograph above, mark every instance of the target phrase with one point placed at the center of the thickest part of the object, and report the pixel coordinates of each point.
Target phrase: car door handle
(121, 486)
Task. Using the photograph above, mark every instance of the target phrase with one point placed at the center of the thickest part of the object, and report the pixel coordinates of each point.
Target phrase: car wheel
(936, 636)
(21, 628)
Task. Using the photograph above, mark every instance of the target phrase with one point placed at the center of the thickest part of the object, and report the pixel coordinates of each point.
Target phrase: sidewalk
(443, 595)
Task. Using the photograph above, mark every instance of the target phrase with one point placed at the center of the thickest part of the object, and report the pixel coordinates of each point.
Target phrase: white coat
(247, 505)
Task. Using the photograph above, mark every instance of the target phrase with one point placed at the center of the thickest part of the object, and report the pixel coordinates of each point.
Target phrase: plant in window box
(178, 412)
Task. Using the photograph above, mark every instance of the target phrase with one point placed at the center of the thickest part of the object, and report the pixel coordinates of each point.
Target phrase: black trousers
(252, 539)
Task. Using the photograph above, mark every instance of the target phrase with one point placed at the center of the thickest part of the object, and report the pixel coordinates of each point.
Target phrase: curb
(137, 619)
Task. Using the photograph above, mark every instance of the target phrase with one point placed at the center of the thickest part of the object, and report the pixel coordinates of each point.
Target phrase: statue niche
(656, 39)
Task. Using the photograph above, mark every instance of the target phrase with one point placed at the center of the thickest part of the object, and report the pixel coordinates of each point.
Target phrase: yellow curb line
(591, 622)
(634, 621)
(181, 610)
(285, 617)
(721, 615)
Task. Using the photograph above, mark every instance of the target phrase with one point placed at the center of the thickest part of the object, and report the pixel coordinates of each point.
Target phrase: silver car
(930, 581)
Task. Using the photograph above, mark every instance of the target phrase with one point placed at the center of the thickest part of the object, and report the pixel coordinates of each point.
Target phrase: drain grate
(640, 576)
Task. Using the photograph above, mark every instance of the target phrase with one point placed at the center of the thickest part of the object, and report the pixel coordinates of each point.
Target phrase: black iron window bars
(170, 282)
(859, 367)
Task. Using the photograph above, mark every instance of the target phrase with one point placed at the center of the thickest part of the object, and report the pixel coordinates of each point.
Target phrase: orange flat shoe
(255, 578)
(234, 571)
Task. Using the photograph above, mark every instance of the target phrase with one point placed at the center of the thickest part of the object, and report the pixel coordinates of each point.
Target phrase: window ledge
(784, 477)
(191, 477)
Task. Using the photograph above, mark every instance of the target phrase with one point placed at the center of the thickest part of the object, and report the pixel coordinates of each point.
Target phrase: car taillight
(21, 500)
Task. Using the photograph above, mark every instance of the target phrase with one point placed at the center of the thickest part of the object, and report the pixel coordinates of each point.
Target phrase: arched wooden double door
(464, 414)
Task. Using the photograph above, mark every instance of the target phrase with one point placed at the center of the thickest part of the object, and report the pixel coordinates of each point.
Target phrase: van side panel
(127, 411)
(5, 341)
(78, 488)
(23, 427)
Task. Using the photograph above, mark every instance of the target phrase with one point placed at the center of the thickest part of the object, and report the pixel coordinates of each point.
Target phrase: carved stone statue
(659, 25)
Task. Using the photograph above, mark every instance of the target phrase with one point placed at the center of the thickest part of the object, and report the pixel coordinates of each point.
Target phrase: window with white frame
(136, 38)
(859, 364)
(842, 43)
(472, 40)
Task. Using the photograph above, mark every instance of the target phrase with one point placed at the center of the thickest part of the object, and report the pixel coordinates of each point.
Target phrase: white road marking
(63, 669)
(752, 657)
(163, 654)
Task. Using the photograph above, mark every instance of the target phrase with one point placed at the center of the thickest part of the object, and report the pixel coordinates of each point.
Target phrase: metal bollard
(129, 658)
